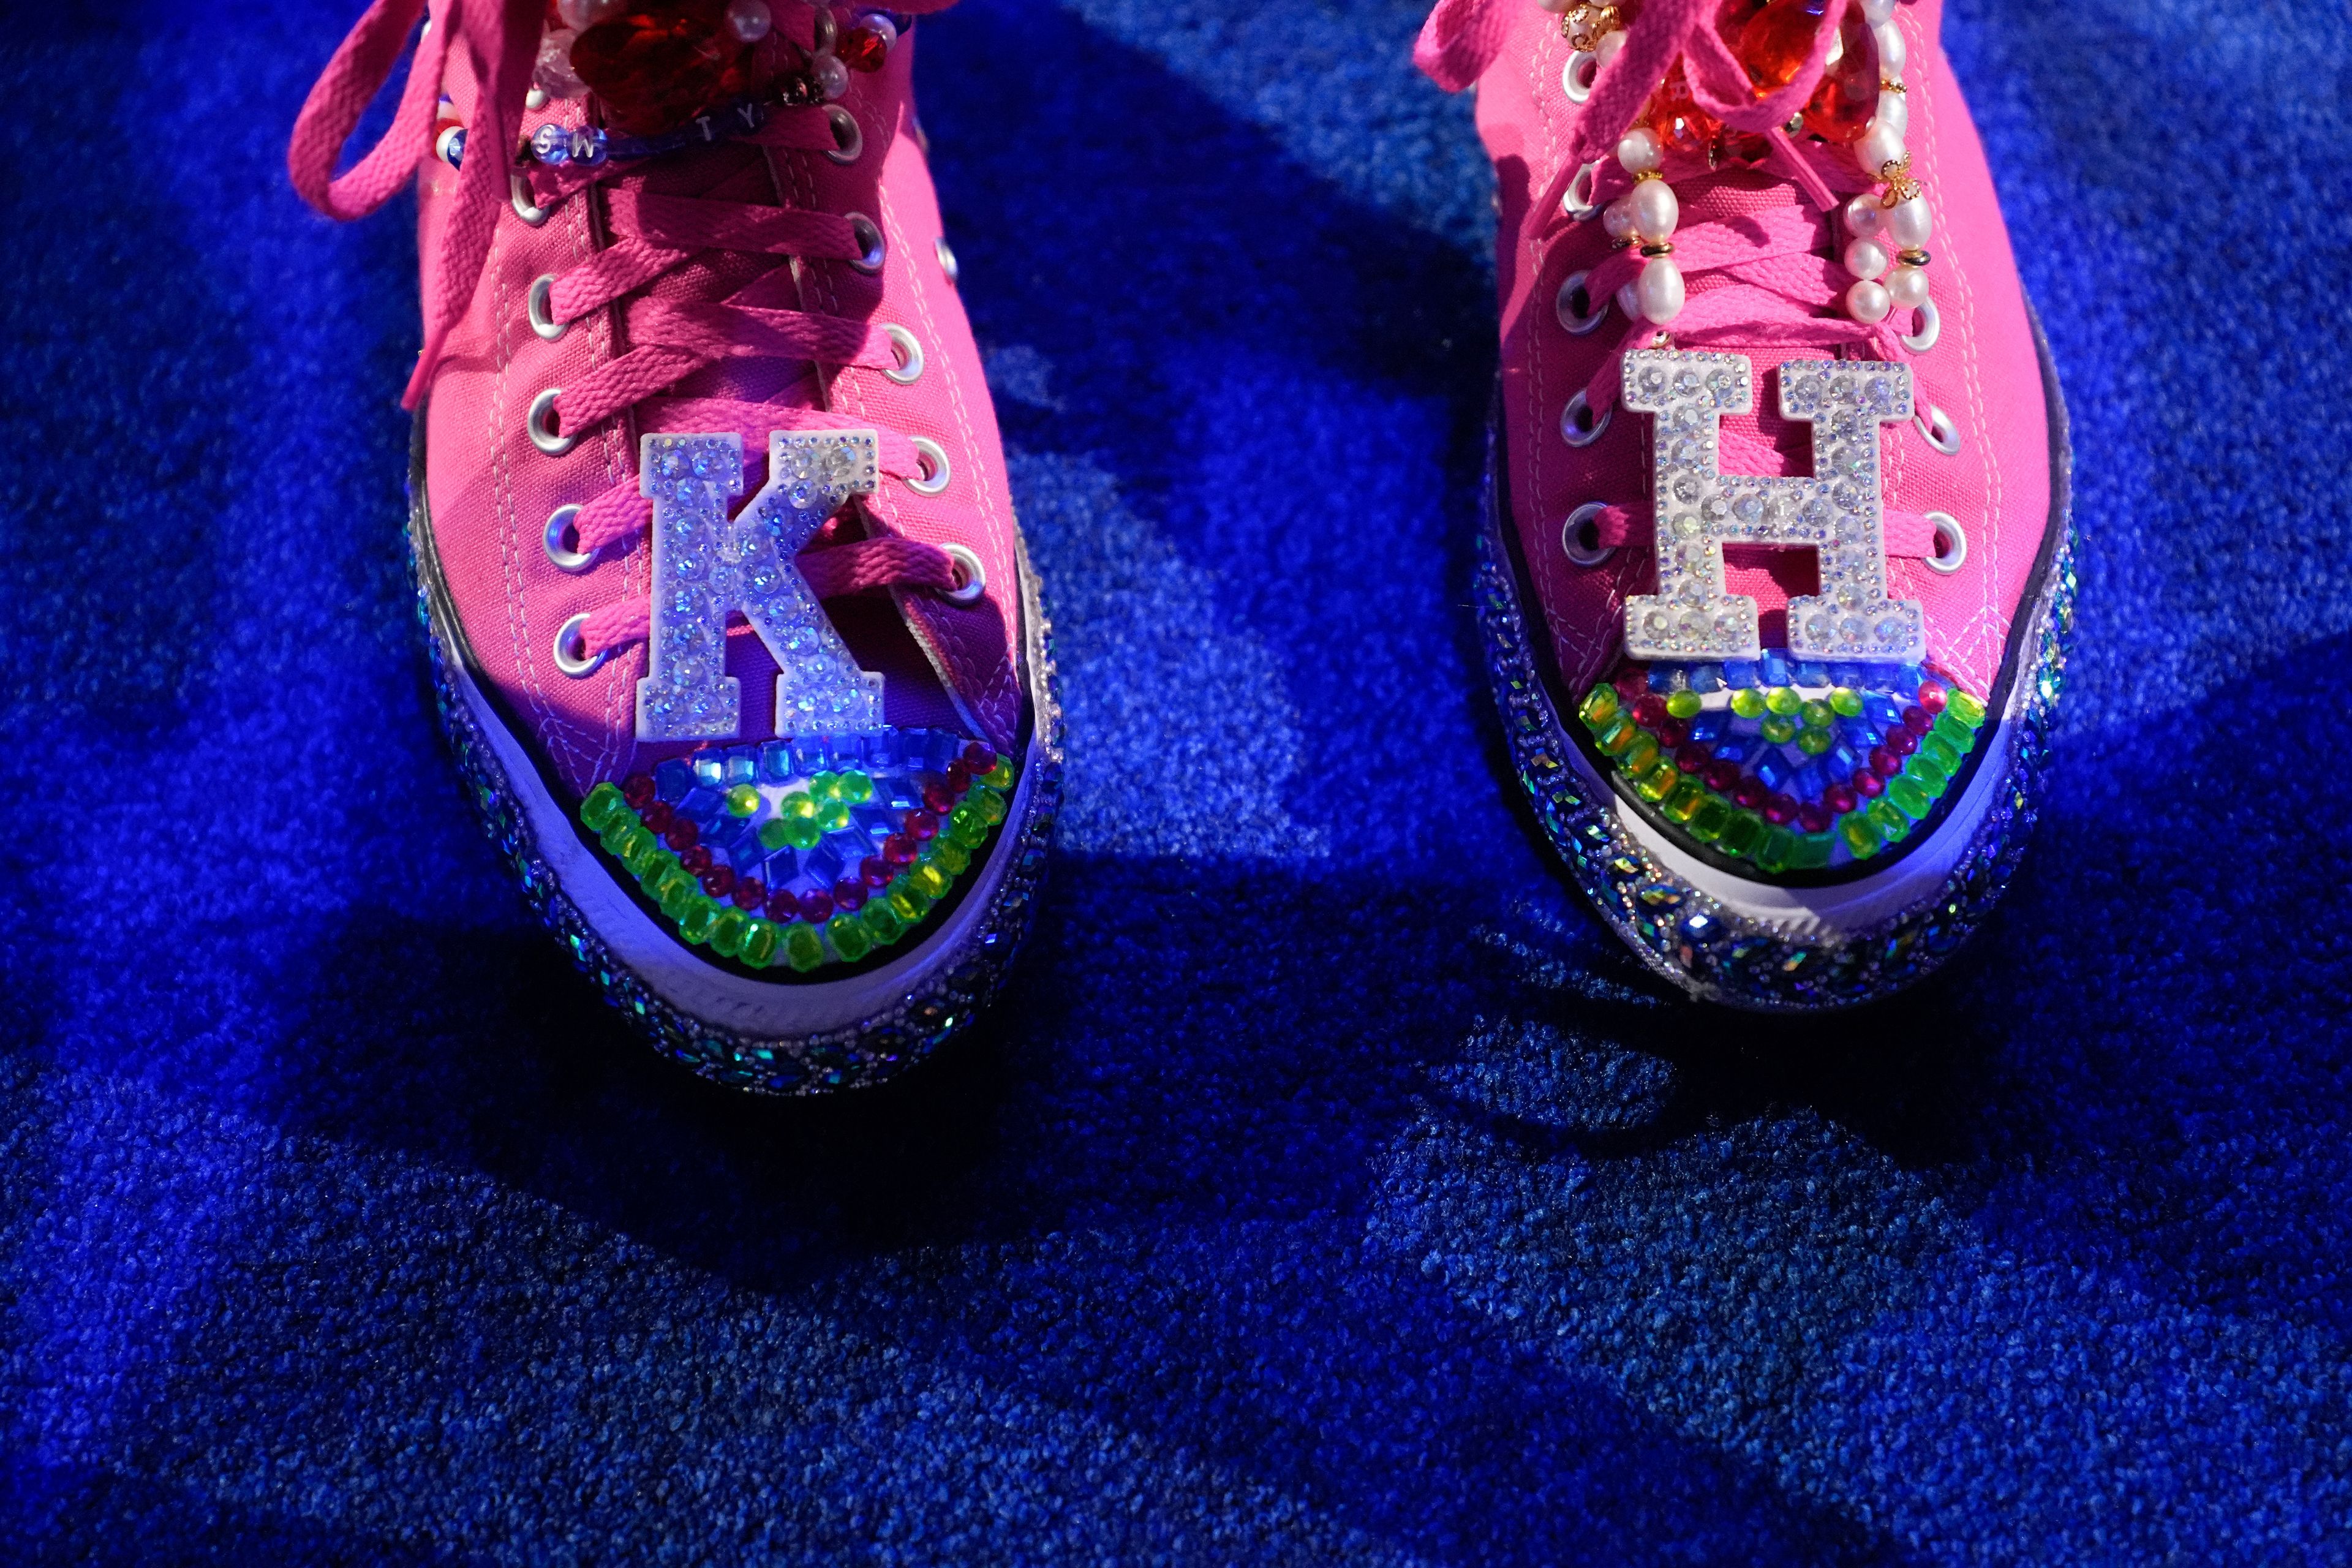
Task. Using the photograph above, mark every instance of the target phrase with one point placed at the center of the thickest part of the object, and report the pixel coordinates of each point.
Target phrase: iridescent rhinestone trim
(1840, 510)
(873, 1050)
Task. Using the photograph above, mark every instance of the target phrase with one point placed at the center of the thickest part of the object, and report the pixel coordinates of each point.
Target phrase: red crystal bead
(1778, 809)
(1931, 696)
(849, 894)
(695, 857)
(1748, 794)
(659, 815)
(1868, 784)
(783, 909)
(1775, 43)
(1917, 720)
(750, 894)
(719, 881)
(1681, 125)
(638, 790)
(662, 62)
(1721, 775)
(1842, 107)
(959, 777)
(875, 871)
(938, 798)
(1883, 762)
(1814, 818)
(682, 834)
(1694, 758)
(1631, 683)
(1649, 710)
(921, 826)
(1673, 733)
(979, 759)
(1902, 742)
(816, 905)
(899, 850)
(1840, 799)
(863, 49)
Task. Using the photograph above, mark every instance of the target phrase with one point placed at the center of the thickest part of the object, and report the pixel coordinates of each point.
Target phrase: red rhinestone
(1673, 733)
(979, 759)
(875, 871)
(1868, 784)
(719, 881)
(1773, 45)
(783, 909)
(1694, 758)
(1840, 799)
(1721, 777)
(959, 777)
(1631, 683)
(696, 859)
(1842, 107)
(1649, 710)
(638, 790)
(862, 50)
(1917, 720)
(921, 826)
(1931, 696)
(816, 905)
(899, 850)
(1748, 794)
(662, 62)
(1814, 818)
(659, 816)
(750, 894)
(938, 798)
(682, 834)
(849, 894)
(1778, 809)
(1902, 742)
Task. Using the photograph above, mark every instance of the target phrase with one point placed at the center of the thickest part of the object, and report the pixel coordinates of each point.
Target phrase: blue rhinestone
(1701, 930)
(701, 804)
(776, 762)
(1707, 677)
(1736, 748)
(1660, 680)
(1774, 668)
(823, 863)
(1881, 712)
(743, 765)
(1811, 673)
(809, 755)
(672, 779)
(1807, 782)
(940, 750)
(1907, 680)
(1739, 672)
(1710, 726)
(1772, 768)
(1841, 761)
(1859, 732)
(710, 766)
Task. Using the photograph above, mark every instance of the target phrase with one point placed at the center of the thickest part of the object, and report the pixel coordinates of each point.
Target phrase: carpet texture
(1329, 1188)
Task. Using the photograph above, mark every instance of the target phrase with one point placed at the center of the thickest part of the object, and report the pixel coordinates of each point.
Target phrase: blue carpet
(1329, 1188)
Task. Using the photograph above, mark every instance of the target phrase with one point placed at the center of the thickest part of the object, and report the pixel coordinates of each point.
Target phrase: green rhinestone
(743, 800)
(824, 787)
(908, 902)
(1860, 835)
(1616, 735)
(1846, 701)
(1773, 854)
(1889, 822)
(1812, 852)
(797, 806)
(602, 803)
(848, 938)
(676, 890)
(1956, 735)
(1659, 782)
(616, 830)
(1814, 742)
(1783, 699)
(1779, 729)
(990, 803)
(696, 921)
(952, 856)
(1684, 704)
(652, 867)
(634, 845)
(1000, 776)
(833, 815)
(1748, 702)
(1924, 772)
(802, 832)
(929, 879)
(1965, 707)
(1707, 823)
(1816, 715)
(1909, 798)
(727, 933)
(1598, 706)
(882, 923)
(759, 943)
(854, 787)
(1684, 804)
(1743, 833)
(773, 834)
(804, 949)
(965, 826)
(1637, 758)
(1942, 753)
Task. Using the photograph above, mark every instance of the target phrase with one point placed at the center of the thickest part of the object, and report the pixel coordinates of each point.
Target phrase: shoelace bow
(1757, 279)
(738, 308)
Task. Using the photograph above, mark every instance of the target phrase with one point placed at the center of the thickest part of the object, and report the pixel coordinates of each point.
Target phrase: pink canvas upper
(1983, 372)
(705, 291)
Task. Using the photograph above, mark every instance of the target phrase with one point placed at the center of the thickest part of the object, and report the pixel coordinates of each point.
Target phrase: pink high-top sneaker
(728, 611)
(1775, 572)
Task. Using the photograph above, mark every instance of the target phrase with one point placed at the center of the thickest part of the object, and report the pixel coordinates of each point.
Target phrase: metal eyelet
(1931, 327)
(1951, 543)
(583, 663)
(536, 304)
(558, 554)
(848, 140)
(1585, 519)
(871, 249)
(948, 263)
(910, 368)
(1564, 307)
(975, 577)
(936, 456)
(1577, 201)
(542, 434)
(1935, 427)
(1574, 429)
(519, 190)
(1576, 76)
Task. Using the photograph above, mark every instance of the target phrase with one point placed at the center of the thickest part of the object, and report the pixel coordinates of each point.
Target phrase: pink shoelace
(1759, 277)
(731, 250)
